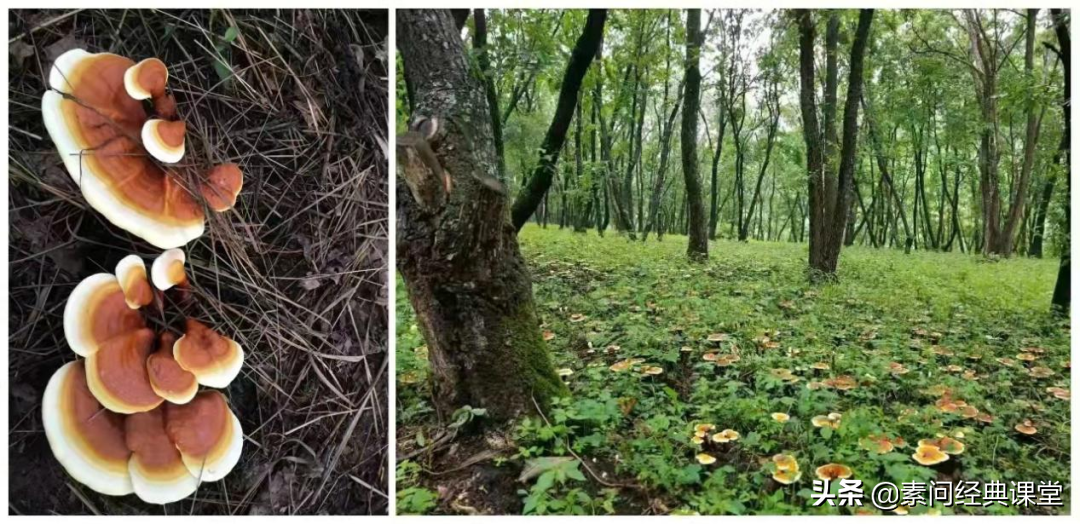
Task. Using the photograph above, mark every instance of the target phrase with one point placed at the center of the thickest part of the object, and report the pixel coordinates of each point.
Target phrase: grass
(607, 301)
(294, 273)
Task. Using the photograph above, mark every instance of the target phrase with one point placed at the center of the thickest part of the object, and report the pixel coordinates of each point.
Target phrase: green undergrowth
(903, 347)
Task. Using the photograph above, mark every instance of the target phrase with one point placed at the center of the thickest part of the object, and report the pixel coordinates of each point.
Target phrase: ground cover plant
(295, 272)
(904, 347)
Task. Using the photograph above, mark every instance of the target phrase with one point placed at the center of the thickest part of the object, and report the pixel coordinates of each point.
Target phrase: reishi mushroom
(158, 473)
(86, 439)
(131, 275)
(126, 420)
(97, 311)
(117, 376)
(108, 144)
(214, 359)
(168, 269)
(170, 381)
(207, 434)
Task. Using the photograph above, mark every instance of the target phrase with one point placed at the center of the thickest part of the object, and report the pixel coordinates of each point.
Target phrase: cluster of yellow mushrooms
(128, 417)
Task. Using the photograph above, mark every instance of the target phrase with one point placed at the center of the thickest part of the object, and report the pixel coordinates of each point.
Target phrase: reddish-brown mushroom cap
(147, 79)
(213, 359)
(131, 275)
(207, 434)
(97, 311)
(158, 473)
(833, 471)
(86, 439)
(929, 455)
(167, 378)
(164, 139)
(222, 184)
(116, 373)
(96, 128)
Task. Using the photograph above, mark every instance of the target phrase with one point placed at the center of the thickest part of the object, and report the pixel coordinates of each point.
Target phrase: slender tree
(538, 184)
(828, 222)
(698, 245)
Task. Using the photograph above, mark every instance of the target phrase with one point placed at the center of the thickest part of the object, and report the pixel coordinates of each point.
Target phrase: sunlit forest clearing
(905, 330)
(668, 262)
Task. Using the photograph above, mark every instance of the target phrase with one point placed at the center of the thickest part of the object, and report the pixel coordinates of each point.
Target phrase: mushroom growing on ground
(170, 381)
(833, 471)
(86, 439)
(213, 359)
(109, 144)
(126, 420)
(929, 455)
(207, 434)
(168, 269)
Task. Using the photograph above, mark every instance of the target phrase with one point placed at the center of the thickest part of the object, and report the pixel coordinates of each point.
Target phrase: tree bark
(465, 275)
(828, 222)
(538, 184)
(698, 245)
(1061, 299)
(1031, 139)
(484, 61)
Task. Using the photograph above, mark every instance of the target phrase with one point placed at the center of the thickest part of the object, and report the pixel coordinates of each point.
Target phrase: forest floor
(295, 272)
(903, 348)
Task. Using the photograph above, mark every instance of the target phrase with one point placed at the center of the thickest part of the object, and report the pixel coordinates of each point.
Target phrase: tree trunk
(828, 223)
(538, 184)
(484, 61)
(1031, 139)
(698, 245)
(1061, 298)
(1043, 206)
(459, 256)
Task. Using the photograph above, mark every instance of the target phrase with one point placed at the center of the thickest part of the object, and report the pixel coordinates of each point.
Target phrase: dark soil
(296, 272)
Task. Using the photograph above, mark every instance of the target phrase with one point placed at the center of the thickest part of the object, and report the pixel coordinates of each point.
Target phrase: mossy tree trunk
(459, 256)
(698, 246)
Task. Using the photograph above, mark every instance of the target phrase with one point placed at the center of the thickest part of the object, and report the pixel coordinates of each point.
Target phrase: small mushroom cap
(213, 359)
(1026, 428)
(705, 459)
(147, 79)
(207, 434)
(164, 139)
(116, 373)
(158, 473)
(947, 445)
(168, 269)
(785, 462)
(833, 471)
(728, 435)
(929, 455)
(87, 440)
(96, 127)
(787, 476)
(781, 417)
(131, 274)
(167, 378)
(97, 311)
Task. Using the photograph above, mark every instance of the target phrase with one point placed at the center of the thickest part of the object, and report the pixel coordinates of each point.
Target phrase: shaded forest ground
(295, 272)
(883, 347)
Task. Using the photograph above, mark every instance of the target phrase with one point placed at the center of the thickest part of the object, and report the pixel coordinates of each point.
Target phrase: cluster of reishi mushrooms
(126, 419)
(123, 159)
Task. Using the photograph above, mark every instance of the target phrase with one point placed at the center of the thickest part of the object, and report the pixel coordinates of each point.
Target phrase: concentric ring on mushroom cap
(131, 275)
(207, 434)
(87, 440)
(96, 129)
(833, 471)
(213, 359)
(168, 269)
(97, 311)
(167, 378)
(116, 374)
(164, 139)
(158, 473)
(146, 79)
